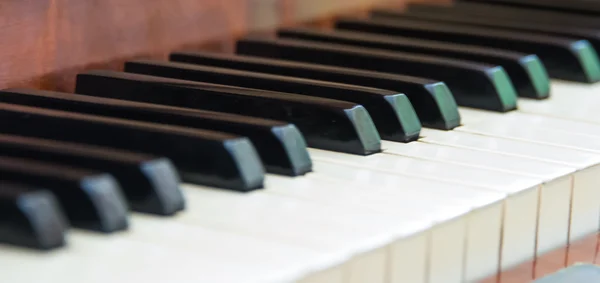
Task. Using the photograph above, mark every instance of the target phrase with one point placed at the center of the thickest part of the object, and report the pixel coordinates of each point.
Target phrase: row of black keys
(341, 91)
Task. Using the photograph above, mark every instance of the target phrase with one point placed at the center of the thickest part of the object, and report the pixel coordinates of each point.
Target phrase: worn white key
(585, 195)
(191, 254)
(519, 234)
(555, 195)
(483, 235)
(349, 234)
(589, 208)
(570, 100)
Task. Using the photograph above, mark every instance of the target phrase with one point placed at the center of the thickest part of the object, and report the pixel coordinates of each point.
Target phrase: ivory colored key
(192, 253)
(482, 255)
(585, 195)
(521, 214)
(377, 234)
(555, 195)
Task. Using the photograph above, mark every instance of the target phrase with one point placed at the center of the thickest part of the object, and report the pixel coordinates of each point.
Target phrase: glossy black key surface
(151, 184)
(432, 100)
(280, 145)
(475, 85)
(30, 217)
(391, 111)
(444, 14)
(91, 200)
(525, 70)
(523, 14)
(564, 58)
(202, 157)
(589, 7)
(326, 123)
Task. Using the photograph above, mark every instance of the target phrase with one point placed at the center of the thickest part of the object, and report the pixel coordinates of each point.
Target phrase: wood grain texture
(46, 42)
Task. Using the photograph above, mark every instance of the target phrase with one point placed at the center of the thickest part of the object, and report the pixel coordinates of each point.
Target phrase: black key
(151, 184)
(586, 7)
(280, 145)
(525, 70)
(391, 111)
(30, 217)
(326, 123)
(523, 14)
(564, 58)
(442, 14)
(202, 157)
(475, 85)
(91, 200)
(432, 100)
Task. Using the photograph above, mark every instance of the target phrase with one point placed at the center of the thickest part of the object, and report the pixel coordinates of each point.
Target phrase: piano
(298, 141)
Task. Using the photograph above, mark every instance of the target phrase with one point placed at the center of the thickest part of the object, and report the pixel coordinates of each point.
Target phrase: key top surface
(151, 184)
(564, 58)
(392, 112)
(531, 15)
(475, 85)
(526, 71)
(441, 14)
(207, 157)
(570, 6)
(280, 145)
(30, 217)
(326, 123)
(432, 100)
(91, 200)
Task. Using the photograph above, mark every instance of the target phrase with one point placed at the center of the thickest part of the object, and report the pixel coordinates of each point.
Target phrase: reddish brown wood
(585, 250)
(46, 42)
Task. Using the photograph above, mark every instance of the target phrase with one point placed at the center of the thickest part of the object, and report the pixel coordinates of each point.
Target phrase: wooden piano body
(46, 42)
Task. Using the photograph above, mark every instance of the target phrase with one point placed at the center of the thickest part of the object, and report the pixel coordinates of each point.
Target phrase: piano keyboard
(434, 144)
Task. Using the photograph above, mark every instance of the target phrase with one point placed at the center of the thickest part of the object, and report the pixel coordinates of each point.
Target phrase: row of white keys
(479, 258)
(370, 240)
(560, 132)
(554, 201)
(585, 207)
(570, 100)
(301, 223)
(521, 212)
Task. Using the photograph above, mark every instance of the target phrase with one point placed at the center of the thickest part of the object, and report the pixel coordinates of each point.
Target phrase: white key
(585, 195)
(322, 228)
(483, 235)
(570, 100)
(519, 232)
(555, 194)
(586, 201)
(122, 257)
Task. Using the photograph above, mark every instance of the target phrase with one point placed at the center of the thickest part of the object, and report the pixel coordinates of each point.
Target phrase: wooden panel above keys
(47, 42)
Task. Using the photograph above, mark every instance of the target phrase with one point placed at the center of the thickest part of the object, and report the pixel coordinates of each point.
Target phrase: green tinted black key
(391, 111)
(280, 145)
(564, 58)
(432, 100)
(474, 85)
(30, 217)
(326, 123)
(526, 71)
